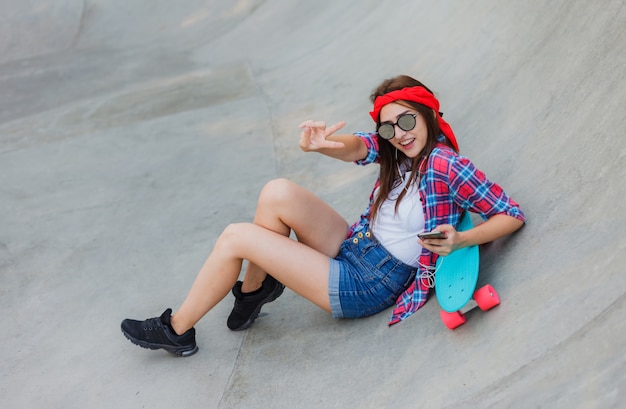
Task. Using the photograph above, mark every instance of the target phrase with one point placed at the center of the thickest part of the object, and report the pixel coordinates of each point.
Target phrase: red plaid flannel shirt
(450, 185)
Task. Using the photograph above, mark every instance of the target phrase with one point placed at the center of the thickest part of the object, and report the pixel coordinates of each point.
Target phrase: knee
(232, 236)
(276, 191)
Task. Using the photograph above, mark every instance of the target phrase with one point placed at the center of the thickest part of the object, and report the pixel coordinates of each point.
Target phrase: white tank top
(397, 232)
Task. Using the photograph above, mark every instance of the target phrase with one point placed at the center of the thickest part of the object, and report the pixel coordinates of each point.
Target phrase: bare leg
(284, 206)
(302, 266)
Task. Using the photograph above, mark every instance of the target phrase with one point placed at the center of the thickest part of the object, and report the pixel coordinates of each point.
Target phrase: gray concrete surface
(132, 132)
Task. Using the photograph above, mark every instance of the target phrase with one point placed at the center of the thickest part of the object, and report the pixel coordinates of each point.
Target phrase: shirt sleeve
(472, 191)
(371, 142)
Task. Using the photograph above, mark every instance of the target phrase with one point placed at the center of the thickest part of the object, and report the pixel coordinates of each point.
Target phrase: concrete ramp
(132, 133)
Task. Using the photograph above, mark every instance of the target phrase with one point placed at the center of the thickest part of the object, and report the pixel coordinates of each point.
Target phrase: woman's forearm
(496, 227)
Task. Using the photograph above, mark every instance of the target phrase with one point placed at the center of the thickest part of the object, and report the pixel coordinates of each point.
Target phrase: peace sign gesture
(314, 136)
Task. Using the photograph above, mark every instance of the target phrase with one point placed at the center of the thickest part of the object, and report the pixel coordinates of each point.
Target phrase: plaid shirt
(450, 184)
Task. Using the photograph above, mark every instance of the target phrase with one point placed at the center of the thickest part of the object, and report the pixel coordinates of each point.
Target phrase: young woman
(349, 271)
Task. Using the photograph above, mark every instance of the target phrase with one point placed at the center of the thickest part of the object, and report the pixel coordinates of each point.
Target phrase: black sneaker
(248, 305)
(157, 333)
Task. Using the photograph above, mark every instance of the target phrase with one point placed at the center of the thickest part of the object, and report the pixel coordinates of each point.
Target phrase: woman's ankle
(177, 326)
(250, 287)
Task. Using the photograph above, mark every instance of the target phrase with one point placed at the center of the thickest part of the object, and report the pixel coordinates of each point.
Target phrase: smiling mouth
(407, 142)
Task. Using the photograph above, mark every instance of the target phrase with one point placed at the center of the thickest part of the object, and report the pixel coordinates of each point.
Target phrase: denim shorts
(365, 278)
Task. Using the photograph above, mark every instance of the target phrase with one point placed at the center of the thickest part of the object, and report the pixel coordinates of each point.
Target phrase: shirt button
(355, 240)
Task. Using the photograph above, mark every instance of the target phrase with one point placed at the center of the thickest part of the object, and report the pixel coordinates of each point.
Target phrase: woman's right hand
(314, 136)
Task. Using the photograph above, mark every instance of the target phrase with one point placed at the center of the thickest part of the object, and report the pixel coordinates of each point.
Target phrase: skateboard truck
(484, 298)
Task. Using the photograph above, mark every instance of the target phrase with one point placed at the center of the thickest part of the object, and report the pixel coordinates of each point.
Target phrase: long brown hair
(390, 158)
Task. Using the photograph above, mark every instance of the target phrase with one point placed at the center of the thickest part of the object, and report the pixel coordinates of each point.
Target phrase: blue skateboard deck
(457, 273)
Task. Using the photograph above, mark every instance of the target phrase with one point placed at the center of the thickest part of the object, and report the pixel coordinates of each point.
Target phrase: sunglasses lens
(386, 131)
(406, 122)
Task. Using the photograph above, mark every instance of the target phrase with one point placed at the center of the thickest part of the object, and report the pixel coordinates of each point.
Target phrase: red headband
(421, 96)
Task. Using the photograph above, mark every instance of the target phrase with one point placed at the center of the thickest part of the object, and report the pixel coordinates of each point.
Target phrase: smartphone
(432, 235)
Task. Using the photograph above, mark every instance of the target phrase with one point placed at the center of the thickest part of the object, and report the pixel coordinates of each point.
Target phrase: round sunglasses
(406, 122)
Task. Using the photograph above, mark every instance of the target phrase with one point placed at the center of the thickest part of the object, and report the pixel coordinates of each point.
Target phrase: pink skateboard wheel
(486, 297)
(452, 320)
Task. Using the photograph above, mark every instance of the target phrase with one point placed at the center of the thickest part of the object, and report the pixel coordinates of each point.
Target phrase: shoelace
(154, 330)
(152, 323)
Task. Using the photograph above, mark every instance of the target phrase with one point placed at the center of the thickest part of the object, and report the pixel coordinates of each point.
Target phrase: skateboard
(455, 283)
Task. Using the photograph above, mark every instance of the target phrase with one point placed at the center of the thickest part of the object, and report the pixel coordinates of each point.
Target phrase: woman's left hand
(443, 247)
